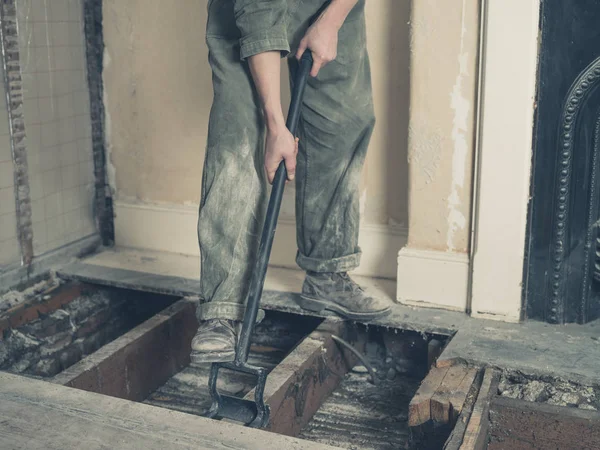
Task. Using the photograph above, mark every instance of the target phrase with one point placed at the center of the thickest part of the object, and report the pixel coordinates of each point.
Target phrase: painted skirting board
(433, 279)
(172, 228)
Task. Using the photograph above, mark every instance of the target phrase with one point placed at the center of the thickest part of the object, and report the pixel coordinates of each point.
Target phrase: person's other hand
(280, 145)
(322, 39)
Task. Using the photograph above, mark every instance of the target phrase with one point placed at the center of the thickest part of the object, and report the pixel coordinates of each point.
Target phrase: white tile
(4, 124)
(76, 36)
(7, 200)
(55, 228)
(50, 158)
(75, 11)
(26, 37)
(78, 81)
(48, 109)
(62, 83)
(43, 56)
(7, 177)
(36, 186)
(81, 103)
(85, 149)
(38, 210)
(65, 106)
(84, 127)
(59, 34)
(41, 34)
(39, 10)
(59, 10)
(67, 130)
(86, 176)
(70, 176)
(78, 58)
(62, 58)
(8, 226)
(30, 85)
(68, 153)
(71, 199)
(49, 134)
(31, 111)
(10, 252)
(51, 180)
(73, 223)
(5, 150)
(34, 162)
(46, 84)
(40, 235)
(23, 10)
(53, 205)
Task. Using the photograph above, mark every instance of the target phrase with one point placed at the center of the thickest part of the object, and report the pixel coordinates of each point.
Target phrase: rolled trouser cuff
(342, 264)
(224, 311)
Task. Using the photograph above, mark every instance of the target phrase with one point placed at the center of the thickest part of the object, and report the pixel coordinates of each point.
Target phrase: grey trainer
(337, 292)
(214, 342)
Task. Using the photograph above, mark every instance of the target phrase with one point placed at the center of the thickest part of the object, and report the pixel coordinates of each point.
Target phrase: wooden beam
(140, 361)
(475, 437)
(457, 434)
(518, 424)
(37, 415)
(448, 400)
(299, 384)
(419, 409)
(441, 395)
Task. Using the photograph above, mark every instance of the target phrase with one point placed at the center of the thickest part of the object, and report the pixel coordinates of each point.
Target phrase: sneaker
(214, 341)
(338, 293)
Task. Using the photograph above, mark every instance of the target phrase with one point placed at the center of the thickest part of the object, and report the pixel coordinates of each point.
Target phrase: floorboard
(36, 415)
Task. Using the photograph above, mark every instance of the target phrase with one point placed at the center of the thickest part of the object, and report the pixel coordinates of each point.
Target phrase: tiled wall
(57, 121)
(10, 252)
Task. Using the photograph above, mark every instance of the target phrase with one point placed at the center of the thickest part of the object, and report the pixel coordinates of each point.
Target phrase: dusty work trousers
(336, 124)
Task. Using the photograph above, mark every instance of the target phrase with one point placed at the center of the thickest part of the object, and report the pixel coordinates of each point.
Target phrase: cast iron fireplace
(562, 272)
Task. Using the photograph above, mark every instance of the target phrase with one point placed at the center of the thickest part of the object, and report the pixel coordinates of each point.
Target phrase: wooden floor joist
(299, 384)
(441, 395)
(475, 437)
(140, 361)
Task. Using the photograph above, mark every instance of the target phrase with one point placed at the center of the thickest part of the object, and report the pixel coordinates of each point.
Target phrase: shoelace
(354, 287)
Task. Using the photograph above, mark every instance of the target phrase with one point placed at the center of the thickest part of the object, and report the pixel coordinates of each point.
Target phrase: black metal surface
(563, 212)
(256, 414)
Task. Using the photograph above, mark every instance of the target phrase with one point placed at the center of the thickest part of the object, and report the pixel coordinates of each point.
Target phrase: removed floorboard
(37, 415)
(476, 432)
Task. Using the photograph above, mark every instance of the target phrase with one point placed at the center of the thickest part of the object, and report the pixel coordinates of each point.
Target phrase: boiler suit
(337, 121)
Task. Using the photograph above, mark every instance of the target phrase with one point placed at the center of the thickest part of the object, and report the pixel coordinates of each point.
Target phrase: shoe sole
(318, 306)
(211, 357)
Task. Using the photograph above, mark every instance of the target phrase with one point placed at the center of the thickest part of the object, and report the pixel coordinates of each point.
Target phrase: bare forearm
(265, 68)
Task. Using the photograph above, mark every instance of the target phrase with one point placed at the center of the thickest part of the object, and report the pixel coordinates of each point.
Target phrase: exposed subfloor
(187, 391)
(538, 349)
(360, 415)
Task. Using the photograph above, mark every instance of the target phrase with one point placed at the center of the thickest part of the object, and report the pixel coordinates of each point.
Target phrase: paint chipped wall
(158, 95)
(444, 42)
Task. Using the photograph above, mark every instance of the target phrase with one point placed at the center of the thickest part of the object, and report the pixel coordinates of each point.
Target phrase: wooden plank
(37, 415)
(448, 399)
(419, 409)
(299, 384)
(518, 424)
(455, 439)
(141, 360)
(475, 437)
(31, 310)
